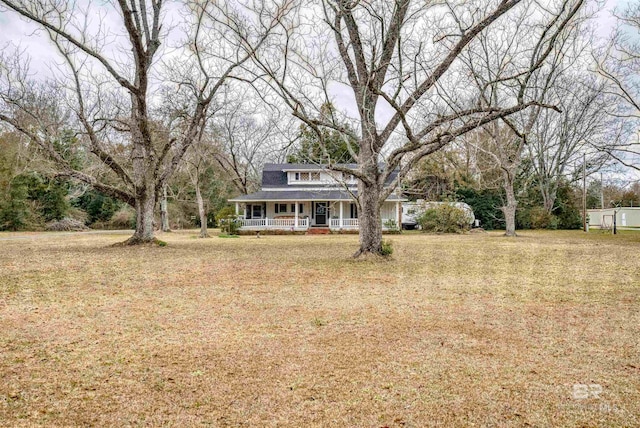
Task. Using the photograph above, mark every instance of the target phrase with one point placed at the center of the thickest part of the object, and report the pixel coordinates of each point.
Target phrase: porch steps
(318, 231)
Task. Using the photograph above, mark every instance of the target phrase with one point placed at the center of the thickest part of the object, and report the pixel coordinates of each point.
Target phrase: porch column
(237, 208)
(341, 215)
(295, 223)
(398, 215)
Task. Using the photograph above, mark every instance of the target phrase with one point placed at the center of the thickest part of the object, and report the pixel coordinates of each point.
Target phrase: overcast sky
(18, 32)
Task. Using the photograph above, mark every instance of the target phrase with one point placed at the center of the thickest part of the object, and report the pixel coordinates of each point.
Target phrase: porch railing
(276, 223)
(347, 223)
(353, 223)
(303, 223)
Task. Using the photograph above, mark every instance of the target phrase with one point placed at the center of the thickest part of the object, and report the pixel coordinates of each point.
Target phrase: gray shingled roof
(302, 195)
(273, 174)
(302, 166)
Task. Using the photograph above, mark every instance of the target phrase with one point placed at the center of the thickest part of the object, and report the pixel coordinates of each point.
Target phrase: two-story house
(297, 197)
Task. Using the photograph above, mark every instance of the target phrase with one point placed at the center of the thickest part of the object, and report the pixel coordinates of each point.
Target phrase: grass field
(289, 331)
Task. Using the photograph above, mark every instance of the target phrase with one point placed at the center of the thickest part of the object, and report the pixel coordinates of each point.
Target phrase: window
(282, 208)
(293, 208)
(301, 208)
(306, 176)
(254, 211)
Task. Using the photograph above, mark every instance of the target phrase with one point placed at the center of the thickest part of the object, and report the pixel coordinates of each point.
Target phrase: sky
(16, 31)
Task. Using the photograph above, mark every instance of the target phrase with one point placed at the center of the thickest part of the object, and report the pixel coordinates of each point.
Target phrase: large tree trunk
(369, 188)
(370, 221)
(509, 209)
(145, 208)
(202, 212)
(143, 162)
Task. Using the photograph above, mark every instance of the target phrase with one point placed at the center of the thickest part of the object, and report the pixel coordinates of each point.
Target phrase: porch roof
(303, 195)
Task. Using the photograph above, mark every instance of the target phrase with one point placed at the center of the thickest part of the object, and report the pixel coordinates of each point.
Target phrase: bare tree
(110, 75)
(619, 63)
(250, 133)
(559, 142)
(198, 160)
(505, 141)
(399, 63)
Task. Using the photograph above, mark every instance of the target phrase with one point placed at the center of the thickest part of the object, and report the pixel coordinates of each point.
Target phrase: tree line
(188, 99)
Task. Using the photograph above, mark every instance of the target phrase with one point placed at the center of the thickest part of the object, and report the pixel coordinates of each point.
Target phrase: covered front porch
(301, 215)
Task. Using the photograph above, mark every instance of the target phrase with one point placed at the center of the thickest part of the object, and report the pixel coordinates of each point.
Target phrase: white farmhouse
(303, 197)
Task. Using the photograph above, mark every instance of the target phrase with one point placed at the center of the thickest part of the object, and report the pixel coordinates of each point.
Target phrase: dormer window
(306, 176)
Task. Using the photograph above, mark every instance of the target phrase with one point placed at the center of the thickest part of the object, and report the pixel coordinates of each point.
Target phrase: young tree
(198, 160)
(501, 147)
(112, 72)
(399, 62)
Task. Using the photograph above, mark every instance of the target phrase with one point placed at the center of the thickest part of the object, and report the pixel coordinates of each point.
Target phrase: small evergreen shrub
(228, 221)
(387, 247)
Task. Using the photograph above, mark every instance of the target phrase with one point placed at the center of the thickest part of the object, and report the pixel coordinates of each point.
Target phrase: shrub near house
(444, 218)
(228, 221)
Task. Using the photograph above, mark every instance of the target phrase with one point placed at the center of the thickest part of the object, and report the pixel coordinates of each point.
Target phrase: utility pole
(601, 191)
(584, 192)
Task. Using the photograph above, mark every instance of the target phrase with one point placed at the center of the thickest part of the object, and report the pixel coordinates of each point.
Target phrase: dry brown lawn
(469, 330)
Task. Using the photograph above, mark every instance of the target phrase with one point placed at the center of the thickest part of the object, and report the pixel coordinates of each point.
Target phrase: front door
(321, 213)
